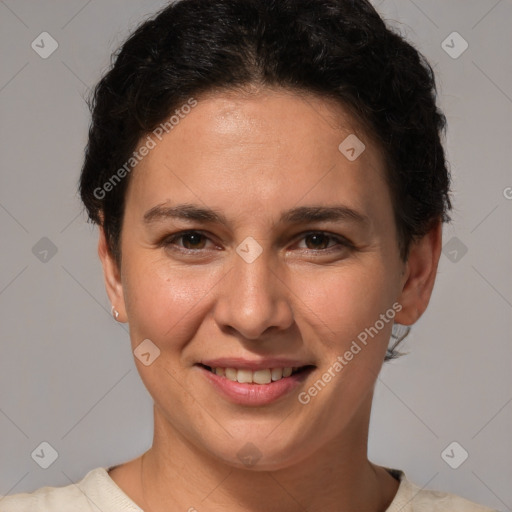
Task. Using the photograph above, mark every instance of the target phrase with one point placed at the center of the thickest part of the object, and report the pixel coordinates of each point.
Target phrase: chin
(259, 452)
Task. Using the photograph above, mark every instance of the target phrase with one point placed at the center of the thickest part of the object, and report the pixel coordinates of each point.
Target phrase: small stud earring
(114, 312)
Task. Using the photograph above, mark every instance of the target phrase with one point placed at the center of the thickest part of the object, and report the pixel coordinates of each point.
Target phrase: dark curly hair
(339, 49)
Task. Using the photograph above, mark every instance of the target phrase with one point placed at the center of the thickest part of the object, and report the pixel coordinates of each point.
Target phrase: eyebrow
(297, 215)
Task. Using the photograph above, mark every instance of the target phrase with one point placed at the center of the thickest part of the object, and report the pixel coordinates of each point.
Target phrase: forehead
(270, 147)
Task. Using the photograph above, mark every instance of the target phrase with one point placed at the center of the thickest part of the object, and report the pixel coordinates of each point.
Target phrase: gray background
(66, 371)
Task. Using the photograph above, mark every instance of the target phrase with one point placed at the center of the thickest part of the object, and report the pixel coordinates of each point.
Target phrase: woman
(270, 185)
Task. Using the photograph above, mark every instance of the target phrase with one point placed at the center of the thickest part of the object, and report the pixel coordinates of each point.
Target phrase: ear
(111, 276)
(419, 276)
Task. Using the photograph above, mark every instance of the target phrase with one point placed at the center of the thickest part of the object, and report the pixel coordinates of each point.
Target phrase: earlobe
(420, 275)
(112, 277)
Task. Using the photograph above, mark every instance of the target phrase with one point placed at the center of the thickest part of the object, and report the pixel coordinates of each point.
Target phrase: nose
(253, 299)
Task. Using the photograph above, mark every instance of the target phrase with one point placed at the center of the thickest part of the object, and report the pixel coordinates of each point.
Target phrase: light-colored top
(98, 492)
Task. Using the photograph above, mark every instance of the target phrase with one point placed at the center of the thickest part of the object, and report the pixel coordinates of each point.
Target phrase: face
(252, 244)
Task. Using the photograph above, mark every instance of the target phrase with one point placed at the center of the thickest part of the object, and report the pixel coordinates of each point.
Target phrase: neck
(176, 475)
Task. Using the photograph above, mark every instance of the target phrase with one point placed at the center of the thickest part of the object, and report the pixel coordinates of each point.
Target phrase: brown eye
(193, 240)
(321, 242)
(186, 241)
(317, 241)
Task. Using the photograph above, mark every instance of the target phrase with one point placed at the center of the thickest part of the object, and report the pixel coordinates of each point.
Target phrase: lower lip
(255, 394)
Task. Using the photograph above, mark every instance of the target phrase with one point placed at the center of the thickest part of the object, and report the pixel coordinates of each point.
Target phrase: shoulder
(412, 498)
(95, 491)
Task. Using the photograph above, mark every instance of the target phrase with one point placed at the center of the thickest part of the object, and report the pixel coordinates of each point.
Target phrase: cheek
(164, 302)
(166, 305)
(351, 338)
(342, 302)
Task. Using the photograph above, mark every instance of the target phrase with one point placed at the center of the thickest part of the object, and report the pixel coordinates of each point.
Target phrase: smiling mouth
(263, 376)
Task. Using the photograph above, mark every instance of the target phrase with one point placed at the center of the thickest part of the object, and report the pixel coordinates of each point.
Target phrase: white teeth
(277, 373)
(244, 376)
(287, 372)
(262, 377)
(231, 374)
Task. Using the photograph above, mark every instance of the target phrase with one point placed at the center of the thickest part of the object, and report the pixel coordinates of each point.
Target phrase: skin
(250, 156)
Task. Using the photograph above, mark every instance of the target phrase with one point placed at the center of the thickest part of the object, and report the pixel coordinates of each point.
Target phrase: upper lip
(254, 365)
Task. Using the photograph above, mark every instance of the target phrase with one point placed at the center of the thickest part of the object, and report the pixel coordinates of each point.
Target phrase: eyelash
(342, 243)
